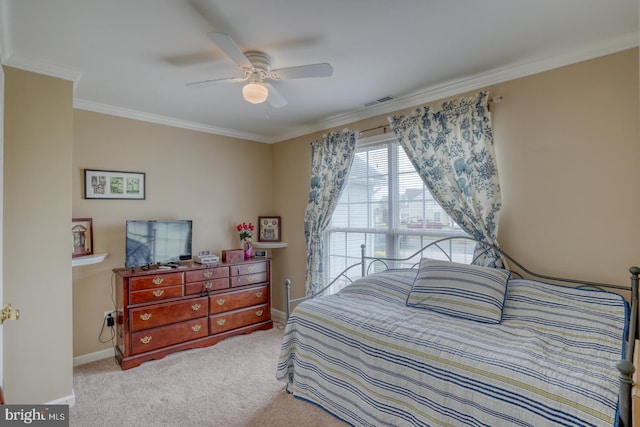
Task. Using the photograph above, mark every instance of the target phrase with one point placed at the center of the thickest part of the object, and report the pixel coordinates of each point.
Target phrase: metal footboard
(625, 366)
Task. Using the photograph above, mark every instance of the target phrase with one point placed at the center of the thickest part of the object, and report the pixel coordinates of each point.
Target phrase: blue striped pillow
(461, 290)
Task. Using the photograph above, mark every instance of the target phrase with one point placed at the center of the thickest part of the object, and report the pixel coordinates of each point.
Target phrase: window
(386, 206)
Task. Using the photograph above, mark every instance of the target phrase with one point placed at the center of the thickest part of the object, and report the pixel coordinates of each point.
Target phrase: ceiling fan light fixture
(255, 93)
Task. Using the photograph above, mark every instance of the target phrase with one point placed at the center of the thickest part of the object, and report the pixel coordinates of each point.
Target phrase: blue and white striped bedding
(367, 358)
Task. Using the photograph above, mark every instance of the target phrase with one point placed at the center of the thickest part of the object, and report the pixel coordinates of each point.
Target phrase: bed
(437, 344)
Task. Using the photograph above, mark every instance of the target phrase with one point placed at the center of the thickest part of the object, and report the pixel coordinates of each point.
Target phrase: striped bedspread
(365, 357)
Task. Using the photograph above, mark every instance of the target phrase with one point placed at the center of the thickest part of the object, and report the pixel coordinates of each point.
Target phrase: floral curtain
(452, 150)
(331, 160)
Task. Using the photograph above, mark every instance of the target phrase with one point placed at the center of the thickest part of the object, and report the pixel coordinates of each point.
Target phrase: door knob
(9, 313)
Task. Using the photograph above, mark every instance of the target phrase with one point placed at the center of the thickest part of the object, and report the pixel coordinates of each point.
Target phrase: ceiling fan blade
(230, 48)
(303, 71)
(275, 99)
(209, 82)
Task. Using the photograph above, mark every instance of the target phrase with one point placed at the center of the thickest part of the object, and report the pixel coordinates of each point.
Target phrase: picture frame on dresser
(81, 237)
(269, 228)
(106, 184)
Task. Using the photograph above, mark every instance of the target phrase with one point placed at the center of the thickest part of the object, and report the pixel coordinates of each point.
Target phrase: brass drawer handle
(145, 340)
(208, 274)
(158, 292)
(196, 328)
(196, 307)
(145, 316)
(220, 301)
(158, 280)
(220, 322)
(208, 285)
(250, 279)
(258, 294)
(250, 269)
(259, 313)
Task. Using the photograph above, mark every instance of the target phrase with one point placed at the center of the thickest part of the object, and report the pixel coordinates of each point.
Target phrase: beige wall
(568, 153)
(38, 137)
(570, 168)
(213, 180)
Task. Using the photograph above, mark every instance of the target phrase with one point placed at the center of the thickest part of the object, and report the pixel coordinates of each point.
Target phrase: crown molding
(128, 113)
(475, 82)
(9, 58)
(34, 65)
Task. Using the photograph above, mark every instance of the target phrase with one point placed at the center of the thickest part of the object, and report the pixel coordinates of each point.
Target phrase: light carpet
(230, 384)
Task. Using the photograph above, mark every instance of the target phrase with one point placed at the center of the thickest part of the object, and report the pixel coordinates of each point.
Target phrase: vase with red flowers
(245, 231)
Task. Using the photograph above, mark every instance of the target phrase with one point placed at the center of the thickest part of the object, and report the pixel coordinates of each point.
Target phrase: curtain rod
(383, 127)
(494, 100)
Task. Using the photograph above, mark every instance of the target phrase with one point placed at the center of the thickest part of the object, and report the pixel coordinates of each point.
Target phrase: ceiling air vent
(378, 101)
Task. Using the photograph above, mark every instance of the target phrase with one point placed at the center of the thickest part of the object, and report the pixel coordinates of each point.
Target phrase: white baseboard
(92, 357)
(68, 400)
(278, 316)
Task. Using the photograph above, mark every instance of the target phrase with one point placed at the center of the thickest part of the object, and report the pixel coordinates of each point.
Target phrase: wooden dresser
(160, 311)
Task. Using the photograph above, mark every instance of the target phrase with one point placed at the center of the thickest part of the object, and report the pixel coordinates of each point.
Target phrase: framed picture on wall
(269, 228)
(81, 237)
(101, 184)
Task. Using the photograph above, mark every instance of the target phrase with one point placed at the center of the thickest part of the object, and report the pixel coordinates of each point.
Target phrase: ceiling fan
(256, 67)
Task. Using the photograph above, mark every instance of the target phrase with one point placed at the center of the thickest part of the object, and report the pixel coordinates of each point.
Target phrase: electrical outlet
(109, 318)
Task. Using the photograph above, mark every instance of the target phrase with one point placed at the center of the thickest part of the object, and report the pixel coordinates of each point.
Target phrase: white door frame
(1, 214)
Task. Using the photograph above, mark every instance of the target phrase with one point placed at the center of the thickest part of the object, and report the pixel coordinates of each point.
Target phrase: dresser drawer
(239, 299)
(152, 339)
(164, 314)
(156, 294)
(237, 319)
(206, 274)
(155, 281)
(248, 279)
(250, 268)
(207, 285)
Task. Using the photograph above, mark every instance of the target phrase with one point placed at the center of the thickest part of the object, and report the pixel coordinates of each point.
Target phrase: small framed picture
(260, 253)
(81, 237)
(269, 228)
(99, 184)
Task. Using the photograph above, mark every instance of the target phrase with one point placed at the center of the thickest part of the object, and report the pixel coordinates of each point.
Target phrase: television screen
(157, 242)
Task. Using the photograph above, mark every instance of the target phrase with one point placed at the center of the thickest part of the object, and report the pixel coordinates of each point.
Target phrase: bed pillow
(461, 290)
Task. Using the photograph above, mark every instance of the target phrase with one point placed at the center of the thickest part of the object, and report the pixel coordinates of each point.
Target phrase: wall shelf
(88, 260)
(269, 245)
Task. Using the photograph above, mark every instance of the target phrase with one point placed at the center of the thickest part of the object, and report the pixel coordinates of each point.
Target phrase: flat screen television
(157, 242)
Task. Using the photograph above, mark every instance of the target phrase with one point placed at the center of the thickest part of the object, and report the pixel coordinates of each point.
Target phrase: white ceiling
(133, 58)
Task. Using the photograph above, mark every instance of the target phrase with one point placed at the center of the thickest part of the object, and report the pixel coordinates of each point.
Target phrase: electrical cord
(109, 322)
(112, 331)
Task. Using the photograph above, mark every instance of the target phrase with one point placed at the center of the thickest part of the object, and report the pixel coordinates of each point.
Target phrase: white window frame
(392, 233)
